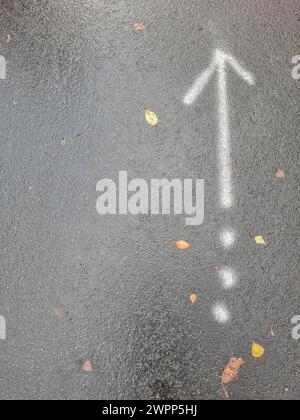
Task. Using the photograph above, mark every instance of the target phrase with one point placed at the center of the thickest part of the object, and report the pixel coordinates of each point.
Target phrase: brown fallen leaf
(280, 174)
(193, 298)
(151, 117)
(59, 314)
(230, 372)
(87, 367)
(139, 27)
(183, 245)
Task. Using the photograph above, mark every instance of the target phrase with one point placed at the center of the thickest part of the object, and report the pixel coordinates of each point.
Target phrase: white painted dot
(228, 277)
(227, 238)
(221, 313)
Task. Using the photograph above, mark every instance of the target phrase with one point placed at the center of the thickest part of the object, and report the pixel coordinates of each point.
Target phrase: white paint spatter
(2, 328)
(228, 277)
(227, 238)
(219, 65)
(221, 313)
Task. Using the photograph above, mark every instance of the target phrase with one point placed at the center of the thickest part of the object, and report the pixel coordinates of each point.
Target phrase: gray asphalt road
(72, 113)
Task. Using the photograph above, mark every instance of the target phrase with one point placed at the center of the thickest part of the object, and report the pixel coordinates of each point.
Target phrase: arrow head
(221, 59)
(218, 64)
(199, 84)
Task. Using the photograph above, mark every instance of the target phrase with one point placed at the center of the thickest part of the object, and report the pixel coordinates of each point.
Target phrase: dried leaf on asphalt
(59, 313)
(193, 298)
(280, 174)
(257, 351)
(139, 26)
(183, 245)
(151, 117)
(260, 240)
(272, 331)
(232, 370)
(230, 373)
(87, 367)
(8, 38)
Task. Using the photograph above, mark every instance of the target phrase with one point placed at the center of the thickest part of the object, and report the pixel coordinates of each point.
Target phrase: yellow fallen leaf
(183, 245)
(257, 351)
(260, 240)
(193, 298)
(151, 117)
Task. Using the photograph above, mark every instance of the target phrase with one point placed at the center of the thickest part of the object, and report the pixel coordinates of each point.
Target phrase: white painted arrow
(219, 64)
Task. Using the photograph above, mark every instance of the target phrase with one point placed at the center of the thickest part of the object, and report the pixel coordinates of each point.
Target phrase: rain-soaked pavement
(99, 307)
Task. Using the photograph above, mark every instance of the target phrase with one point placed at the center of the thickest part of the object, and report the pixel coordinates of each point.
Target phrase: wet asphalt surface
(72, 113)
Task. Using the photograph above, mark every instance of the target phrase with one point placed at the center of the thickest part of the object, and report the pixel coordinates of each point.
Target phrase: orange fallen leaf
(230, 372)
(59, 313)
(87, 367)
(193, 298)
(183, 245)
(257, 351)
(280, 174)
(139, 26)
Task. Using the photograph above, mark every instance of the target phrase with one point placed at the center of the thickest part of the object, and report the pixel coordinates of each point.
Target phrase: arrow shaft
(2, 68)
(2, 328)
(226, 193)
